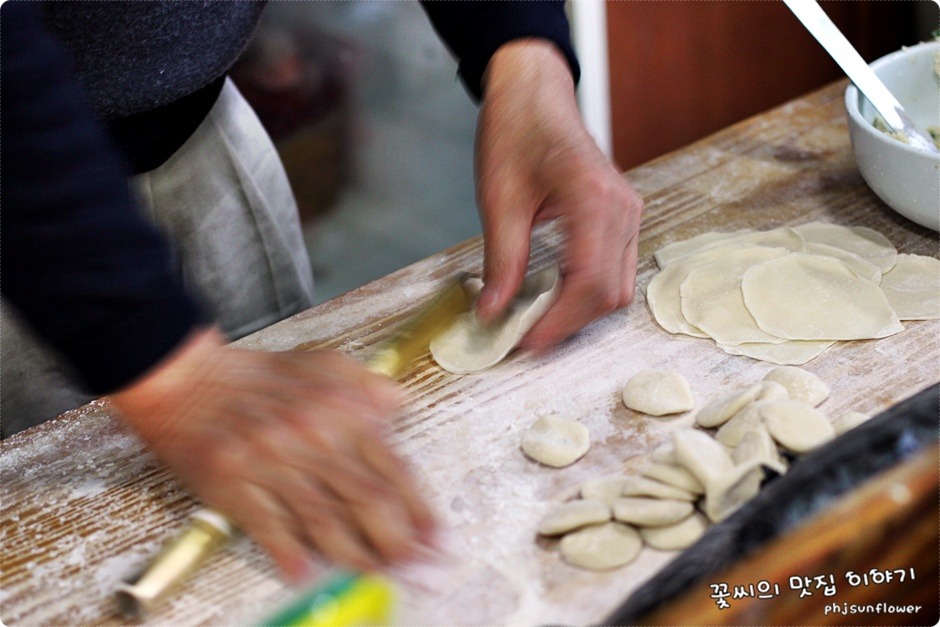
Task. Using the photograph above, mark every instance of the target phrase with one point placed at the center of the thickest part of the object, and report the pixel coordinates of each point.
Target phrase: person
(290, 445)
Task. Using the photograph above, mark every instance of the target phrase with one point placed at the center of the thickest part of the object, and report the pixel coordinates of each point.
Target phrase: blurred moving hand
(535, 161)
(289, 446)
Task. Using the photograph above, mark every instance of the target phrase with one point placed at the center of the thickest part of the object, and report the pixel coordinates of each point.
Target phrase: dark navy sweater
(76, 259)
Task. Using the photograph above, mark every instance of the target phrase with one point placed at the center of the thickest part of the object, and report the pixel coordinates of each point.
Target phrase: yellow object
(345, 600)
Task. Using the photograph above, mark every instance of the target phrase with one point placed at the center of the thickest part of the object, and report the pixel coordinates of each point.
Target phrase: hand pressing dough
(864, 242)
(601, 547)
(647, 512)
(790, 353)
(605, 489)
(913, 287)
(555, 441)
(848, 421)
(711, 299)
(718, 411)
(677, 536)
(730, 490)
(701, 455)
(809, 297)
(801, 385)
(574, 515)
(658, 393)
(641, 486)
(469, 346)
(674, 475)
(796, 426)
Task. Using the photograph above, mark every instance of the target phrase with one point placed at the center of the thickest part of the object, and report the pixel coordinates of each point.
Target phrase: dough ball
(848, 421)
(677, 536)
(641, 486)
(555, 441)
(701, 455)
(658, 393)
(467, 345)
(675, 476)
(796, 426)
(720, 410)
(574, 515)
(913, 287)
(824, 300)
(606, 489)
(772, 391)
(601, 547)
(649, 512)
(801, 385)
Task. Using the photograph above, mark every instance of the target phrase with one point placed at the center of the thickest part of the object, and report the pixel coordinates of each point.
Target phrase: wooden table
(84, 504)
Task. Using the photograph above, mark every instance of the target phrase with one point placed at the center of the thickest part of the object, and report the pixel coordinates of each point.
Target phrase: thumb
(506, 237)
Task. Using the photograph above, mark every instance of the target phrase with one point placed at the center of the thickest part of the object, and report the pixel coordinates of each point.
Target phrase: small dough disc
(469, 346)
(574, 515)
(601, 547)
(732, 489)
(864, 242)
(848, 421)
(796, 426)
(757, 445)
(641, 486)
(674, 475)
(676, 536)
(606, 489)
(732, 432)
(791, 353)
(718, 411)
(801, 385)
(913, 287)
(857, 264)
(772, 391)
(711, 297)
(701, 455)
(555, 441)
(810, 297)
(676, 250)
(658, 393)
(648, 512)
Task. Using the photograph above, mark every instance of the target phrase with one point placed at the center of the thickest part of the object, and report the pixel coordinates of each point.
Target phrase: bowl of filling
(905, 177)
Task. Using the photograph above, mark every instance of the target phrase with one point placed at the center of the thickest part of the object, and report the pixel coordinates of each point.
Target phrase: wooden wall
(682, 69)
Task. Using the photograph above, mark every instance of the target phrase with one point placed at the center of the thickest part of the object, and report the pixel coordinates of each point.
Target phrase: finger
(507, 225)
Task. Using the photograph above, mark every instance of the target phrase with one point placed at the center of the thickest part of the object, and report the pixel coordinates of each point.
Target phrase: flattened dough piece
(555, 441)
(810, 297)
(676, 250)
(864, 242)
(757, 445)
(718, 411)
(801, 385)
(574, 515)
(701, 455)
(732, 432)
(647, 512)
(913, 287)
(606, 489)
(790, 353)
(732, 489)
(658, 393)
(711, 298)
(848, 421)
(601, 547)
(468, 346)
(677, 536)
(857, 264)
(642, 486)
(796, 426)
(674, 475)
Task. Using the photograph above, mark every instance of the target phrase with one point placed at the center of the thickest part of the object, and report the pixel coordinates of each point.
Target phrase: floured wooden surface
(85, 505)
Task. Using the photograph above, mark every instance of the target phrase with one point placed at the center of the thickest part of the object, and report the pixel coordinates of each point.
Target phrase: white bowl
(906, 178)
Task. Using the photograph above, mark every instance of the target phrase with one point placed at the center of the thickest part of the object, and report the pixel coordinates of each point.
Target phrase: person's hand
(289, 446)
(535, 161)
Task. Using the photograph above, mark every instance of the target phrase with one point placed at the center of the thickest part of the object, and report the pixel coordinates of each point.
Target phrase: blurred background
(376, 132)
